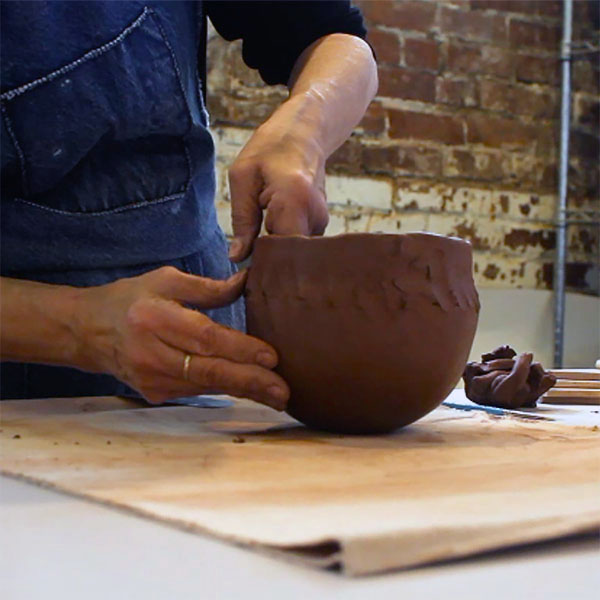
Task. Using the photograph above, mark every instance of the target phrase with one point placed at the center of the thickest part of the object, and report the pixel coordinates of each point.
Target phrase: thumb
(246, 214)
(204, 292)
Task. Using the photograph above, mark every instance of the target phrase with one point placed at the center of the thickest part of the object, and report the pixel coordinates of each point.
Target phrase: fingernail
(235, 247)
(266, 359)
(279, 394)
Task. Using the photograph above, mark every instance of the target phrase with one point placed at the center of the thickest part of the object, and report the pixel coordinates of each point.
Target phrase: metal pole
(561, 216)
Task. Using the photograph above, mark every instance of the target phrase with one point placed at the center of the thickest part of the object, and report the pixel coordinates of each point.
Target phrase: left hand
(281, 170)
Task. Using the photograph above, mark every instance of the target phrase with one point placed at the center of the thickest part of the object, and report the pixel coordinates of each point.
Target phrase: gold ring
(186, 366)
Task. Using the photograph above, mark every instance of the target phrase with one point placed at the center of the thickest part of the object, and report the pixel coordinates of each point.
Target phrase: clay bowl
(373, 330)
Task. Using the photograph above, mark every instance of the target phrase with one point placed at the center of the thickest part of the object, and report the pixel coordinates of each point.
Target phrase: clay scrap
(504, 381)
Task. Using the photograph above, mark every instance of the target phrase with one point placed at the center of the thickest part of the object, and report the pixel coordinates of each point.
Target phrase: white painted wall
(524, 320)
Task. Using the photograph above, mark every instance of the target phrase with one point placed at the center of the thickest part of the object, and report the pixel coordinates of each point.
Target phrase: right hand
(138, 330)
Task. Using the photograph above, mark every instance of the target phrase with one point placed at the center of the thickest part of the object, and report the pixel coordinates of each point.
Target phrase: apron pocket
(92, 135)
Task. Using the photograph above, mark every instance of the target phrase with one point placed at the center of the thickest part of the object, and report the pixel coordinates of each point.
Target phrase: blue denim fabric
(107, 162)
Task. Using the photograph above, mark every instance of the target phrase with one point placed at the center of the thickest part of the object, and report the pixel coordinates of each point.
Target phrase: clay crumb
(55, 443)
(76, 443)
(238, 439)
(108, 442)
(16, 436)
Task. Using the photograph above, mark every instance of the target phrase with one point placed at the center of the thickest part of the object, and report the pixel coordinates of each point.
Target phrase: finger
(500, 364)
(245, 184)
(507, 387)
(195, 333)
(246, 381)
(208, 374)
(202, 291)
(287, 218)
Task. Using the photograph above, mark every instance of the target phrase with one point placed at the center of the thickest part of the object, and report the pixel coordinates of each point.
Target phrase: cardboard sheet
(454, 484)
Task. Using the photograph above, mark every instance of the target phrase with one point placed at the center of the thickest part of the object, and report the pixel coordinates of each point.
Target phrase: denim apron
(107, 161)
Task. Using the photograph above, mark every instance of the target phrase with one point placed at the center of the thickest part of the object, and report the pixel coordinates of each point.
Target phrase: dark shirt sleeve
(275, 33)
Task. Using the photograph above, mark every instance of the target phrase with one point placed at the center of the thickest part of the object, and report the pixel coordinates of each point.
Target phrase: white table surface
(56, 546)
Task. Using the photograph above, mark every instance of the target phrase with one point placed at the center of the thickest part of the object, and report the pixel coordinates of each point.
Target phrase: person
(115, 274)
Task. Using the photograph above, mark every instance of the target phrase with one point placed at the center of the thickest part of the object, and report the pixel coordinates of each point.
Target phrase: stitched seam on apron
(20, 154)
(181, 88)
(95, 53)
(101, 213)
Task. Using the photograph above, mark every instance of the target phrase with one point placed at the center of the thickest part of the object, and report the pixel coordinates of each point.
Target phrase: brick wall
(462, 138)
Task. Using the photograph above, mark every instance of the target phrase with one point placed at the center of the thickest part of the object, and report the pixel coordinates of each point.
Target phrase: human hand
(281, 170)
(138, 330)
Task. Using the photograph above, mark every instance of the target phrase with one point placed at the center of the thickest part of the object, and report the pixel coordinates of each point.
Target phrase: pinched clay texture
(502, 380)
(372, 330)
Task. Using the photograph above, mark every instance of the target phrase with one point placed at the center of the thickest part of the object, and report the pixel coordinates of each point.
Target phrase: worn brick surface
(459, 92)
(426, 126)
(462, 138)
(476, 58)
(386, 45)
(422, 53)
(473, 24)
(537, 69)
(408, 84)
(405, 15)
(531, 34)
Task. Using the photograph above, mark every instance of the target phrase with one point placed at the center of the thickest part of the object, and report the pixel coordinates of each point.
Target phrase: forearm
(331, 85)
(37, 322)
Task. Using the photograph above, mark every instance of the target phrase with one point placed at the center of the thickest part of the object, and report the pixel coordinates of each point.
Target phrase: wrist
(89, 347)
(300, 122)
(38, 322)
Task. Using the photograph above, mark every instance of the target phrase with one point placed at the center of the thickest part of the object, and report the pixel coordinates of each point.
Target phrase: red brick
(407, 15)
(537, 69)
(550, 8)
(534, 103)
(484, 166)
(546, 139)
(585, 78)
(498, 132)
(586, 13)
(379, 159)
(463, 59)
(373, 122)
(549, 176)
(421, 54)
(346, 159)
(587, 113)
(456, 92)
(419, 161)
(424, 126)
(395, 82)
(528, 7)
(386, 45)
(585, 145)
(470, 58)
(495, 96)
(540, 35)
(473, 25)
(517, 100)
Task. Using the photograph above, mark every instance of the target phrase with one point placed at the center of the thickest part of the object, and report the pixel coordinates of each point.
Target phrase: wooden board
(571, 400)
(454, 484)
(589, 384)
(593, 374)
(573, 393)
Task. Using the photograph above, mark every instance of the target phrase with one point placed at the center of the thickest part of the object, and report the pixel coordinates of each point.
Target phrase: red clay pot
(373, 330)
